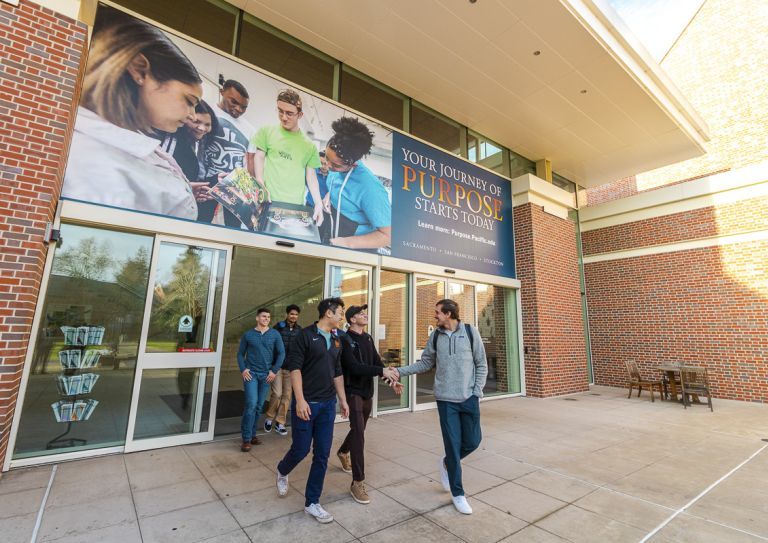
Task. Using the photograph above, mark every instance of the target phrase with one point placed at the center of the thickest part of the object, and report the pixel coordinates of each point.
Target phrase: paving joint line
(701, 495)
(39, 518)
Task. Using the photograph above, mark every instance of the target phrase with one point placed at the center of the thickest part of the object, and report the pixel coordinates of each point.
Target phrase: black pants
(354, 443)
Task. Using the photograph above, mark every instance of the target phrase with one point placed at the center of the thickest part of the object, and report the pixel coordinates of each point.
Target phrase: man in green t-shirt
(283, 160)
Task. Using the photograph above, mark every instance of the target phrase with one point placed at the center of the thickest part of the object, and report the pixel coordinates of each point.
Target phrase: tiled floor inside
(589, 467)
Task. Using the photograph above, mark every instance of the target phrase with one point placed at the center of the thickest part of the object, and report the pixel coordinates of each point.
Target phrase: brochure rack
(73, 384)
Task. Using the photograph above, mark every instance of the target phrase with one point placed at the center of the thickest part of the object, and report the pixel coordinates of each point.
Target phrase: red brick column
(553, 330)
(40, 64)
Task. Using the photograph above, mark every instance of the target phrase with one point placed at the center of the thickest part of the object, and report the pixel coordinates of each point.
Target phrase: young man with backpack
(456, 350)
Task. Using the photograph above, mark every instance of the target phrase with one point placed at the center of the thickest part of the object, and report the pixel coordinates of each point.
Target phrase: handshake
(392, 377)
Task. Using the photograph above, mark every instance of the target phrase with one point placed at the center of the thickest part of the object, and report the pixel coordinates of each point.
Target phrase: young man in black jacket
(316, 377)
(280, 400)
(361, 363)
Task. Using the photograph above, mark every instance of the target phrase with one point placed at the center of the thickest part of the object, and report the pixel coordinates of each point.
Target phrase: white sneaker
(462, 505)
(282, 484)
(321, 515)
(444, 476)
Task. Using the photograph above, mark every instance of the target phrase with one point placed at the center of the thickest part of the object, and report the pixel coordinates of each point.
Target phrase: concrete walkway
(589, 467)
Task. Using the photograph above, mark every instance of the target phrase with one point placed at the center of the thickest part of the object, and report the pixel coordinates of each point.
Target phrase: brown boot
(346, 462)
(255, 441)
(358, 492)
(245, 447)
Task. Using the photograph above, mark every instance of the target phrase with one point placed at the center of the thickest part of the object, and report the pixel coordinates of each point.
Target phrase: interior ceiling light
(583, 91)
(536, 53)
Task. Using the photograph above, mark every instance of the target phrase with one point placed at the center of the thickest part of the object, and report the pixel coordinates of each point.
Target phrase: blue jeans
(256, 391)
(319, 428)
(460, 425)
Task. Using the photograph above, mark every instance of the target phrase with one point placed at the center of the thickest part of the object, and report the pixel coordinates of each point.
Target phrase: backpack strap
(468, 329)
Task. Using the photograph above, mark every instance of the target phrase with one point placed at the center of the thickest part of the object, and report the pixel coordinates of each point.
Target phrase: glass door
(428, 292)
(177, 374)
(351, 283)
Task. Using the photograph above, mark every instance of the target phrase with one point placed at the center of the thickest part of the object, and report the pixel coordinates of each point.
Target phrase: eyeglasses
(288, 114)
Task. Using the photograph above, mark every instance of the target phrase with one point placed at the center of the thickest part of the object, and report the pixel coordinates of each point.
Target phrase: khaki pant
(280, 400)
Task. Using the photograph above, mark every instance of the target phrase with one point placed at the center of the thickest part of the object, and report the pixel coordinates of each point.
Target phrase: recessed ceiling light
(536, 53)
(583, 91)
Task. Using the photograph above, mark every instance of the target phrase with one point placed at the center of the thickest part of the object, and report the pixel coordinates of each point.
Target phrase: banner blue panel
(449, 212)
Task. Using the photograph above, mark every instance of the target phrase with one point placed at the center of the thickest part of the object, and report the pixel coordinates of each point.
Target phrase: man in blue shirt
(260, 358)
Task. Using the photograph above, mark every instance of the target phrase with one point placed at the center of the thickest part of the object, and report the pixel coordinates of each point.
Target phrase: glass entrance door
(174, 393)
(428, 292)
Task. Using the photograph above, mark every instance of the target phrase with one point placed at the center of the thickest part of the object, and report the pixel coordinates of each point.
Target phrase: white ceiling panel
(474, 62)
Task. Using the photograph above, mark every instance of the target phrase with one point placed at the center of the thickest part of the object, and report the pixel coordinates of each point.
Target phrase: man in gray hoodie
(456, 349)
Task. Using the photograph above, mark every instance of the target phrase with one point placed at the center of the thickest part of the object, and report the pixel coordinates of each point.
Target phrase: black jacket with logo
(360, 362)
(319, 365)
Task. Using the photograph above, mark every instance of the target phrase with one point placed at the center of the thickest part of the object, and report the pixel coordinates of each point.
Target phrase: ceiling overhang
(557, 79)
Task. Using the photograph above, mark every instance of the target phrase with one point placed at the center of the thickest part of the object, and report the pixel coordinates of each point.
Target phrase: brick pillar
(40, 66)
(547, 266)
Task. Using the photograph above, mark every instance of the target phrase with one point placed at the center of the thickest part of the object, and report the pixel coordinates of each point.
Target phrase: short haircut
(351, 139)
(292, 307)
(449, 307)
(331, 304)
(290, 96)
(232, 84)
(261, 310)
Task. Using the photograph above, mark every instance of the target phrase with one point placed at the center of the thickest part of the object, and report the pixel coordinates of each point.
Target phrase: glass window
(185, 277)
(258, 279)
(272, 50)
(210, 21)
(435, 129)
(563, 183)
(428, 293)
(497, 323)
(393, 333)
(483, 151)
(168, 402)
(359, 93)
(82, 370)
(519, 165)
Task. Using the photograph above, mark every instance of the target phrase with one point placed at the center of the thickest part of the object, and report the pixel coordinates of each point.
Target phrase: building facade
(121, 310)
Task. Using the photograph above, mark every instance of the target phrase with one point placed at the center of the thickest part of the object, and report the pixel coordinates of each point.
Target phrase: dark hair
(290, 96)
(331, 304)
(232, 84)
(292, 307)
(108, 88)
(322, 154)
(449, 307)
(203, 107)
(352, 139)
(261, 310)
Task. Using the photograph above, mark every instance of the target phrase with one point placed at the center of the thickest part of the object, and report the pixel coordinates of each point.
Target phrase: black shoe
(267, 425)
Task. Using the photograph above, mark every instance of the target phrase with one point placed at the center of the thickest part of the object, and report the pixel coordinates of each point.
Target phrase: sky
(656, 23)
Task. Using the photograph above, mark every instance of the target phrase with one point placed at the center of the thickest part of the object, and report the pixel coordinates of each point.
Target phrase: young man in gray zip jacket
(459, 380)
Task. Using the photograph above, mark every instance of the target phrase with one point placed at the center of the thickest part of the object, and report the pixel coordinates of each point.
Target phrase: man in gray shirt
(456, 349)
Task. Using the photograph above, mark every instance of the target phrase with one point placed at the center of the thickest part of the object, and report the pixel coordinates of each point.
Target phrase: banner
(171, 128)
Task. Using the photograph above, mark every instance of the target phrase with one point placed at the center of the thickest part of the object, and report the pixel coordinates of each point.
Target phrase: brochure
(241, 194)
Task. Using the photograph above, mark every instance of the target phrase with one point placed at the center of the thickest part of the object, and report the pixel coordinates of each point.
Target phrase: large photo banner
(170, 128)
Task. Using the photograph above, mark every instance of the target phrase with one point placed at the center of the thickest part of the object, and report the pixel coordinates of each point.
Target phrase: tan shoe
(358, 492)
(346, 462)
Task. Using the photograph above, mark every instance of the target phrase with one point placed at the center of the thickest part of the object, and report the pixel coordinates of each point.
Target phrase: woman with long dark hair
(137, 83)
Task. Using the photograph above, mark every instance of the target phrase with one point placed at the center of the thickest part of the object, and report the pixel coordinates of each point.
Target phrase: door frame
(210, 361)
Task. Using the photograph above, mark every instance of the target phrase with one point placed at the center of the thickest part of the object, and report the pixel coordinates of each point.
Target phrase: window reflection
(79, 387)
(371, 99)
(483, 151)
(435, 129)
(393, 333)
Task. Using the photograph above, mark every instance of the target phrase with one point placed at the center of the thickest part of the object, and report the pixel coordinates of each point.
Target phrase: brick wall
(720, 64)
(41, 53)
(703, 306)
(709, 222)
(553, 333)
